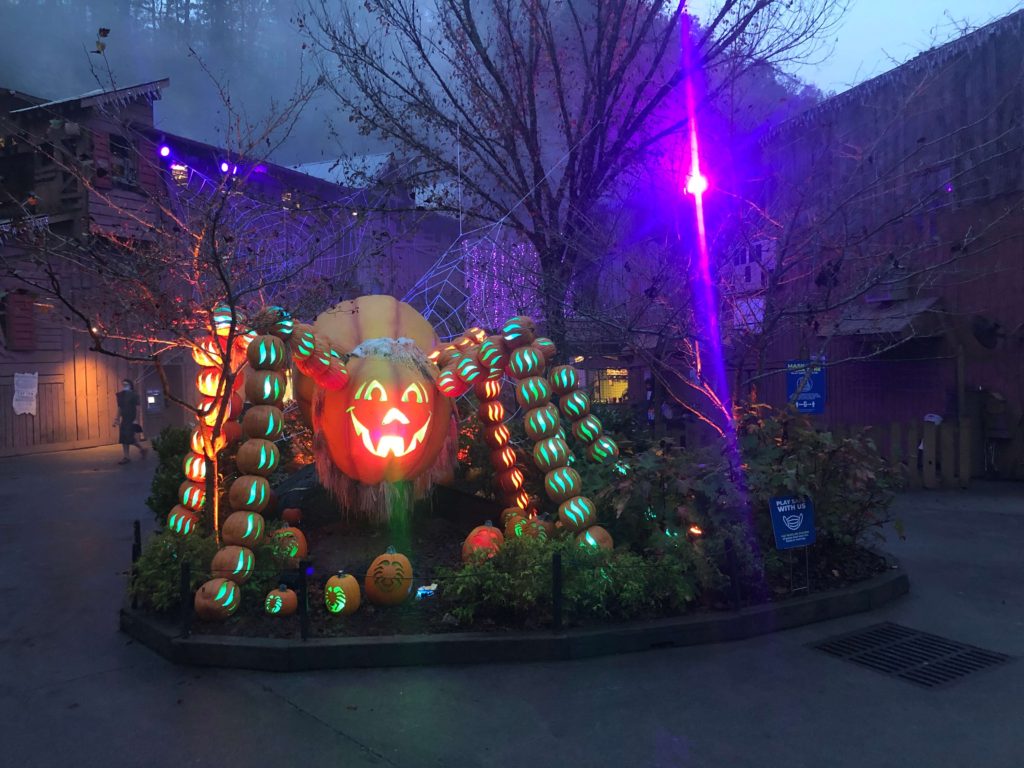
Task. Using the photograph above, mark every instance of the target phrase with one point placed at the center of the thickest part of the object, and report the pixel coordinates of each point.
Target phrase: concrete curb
(277, 655)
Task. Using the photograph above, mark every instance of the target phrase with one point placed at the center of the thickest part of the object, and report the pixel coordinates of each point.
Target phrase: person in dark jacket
(127, 411)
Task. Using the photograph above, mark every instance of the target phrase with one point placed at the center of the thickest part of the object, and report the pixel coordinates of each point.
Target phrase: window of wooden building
(123, 162)
(19, 322)
(610, 385)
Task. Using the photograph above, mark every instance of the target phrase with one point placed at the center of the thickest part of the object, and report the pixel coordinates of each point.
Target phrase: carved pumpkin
(243, 529)
(525, 362)
(493, 354)
(303, 342)
(208, 381)
(281, 602)
(564, 379)
(263, 421)
(182, 520)
(533, 392)
(389, 579)
(487, 389)
(194, 468)
(467, 369)
(258, 457)
(562, 483)
(509, 480)
(491, 412)
(207, 352)
(192, 495)
(542, 422)
(266, 353)
(497, 436)
(483, 543)
(577, 513)
(546, 347)
(574, 405)
(265, 387)
(603, 449)
(233, 562)
(514, 524)
(388, 424)
(510, 512)
(341, 594)
(550, 453)
(534, 529)
(450, 384)
(222, 319)
(285, 325)
(217, 599)
(520, 499)
(291, 515)
(250, 492)
(291, 542)
(202, 439)
(587, 429)
(518, 332)
(595, 537)
(209, 407)
(503, 458)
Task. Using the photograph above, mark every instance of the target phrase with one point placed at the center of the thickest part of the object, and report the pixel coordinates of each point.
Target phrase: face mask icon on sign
(793, 521)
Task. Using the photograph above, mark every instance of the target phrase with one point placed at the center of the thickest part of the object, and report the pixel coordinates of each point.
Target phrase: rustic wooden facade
(90, 168)
(901, 202)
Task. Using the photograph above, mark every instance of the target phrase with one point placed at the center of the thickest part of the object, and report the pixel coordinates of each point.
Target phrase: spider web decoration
(272, 240)
(479, 280)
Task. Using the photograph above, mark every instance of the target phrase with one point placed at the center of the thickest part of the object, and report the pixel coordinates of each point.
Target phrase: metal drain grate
(917, 657)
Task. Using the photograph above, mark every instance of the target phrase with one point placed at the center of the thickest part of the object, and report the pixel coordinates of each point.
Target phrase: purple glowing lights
(224, 167)
(696, 183)
(165, 151)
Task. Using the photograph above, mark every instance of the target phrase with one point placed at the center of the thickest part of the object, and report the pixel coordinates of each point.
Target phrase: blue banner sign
(792, 521)
(805, 385)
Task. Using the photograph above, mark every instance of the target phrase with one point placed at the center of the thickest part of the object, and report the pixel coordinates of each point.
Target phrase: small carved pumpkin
(525, 362)
(577, 513)
(389, 579)
(595, 537)
(341, 594)
(208, 381)
(233, 562)
(487, 389)
(564, 379)
(249, 492)
(497, 436)
(535, 529)
(192, 495)
(503, 458)
(575, 405)
(243, 528)
(546, 347)
(533, 392)
(291, 542)
(201, 440)
(217, 599)
(550, 453)
(281, 601)
(194, 467)
(258, 457)
(491, 412)
(181, 520)
(514, 524)
(302, 342)
(263, 421)
(509, 480)
(449, 383)
(587, 429)
(541, 422)
(518, 332)
(291, 515)
(265, 387)
(603, 449)
(483, 543)
(266, 353)
(467, 369)
(510, 512)
(207, 352)
(493, 354)
(285, 325)
(562, 483)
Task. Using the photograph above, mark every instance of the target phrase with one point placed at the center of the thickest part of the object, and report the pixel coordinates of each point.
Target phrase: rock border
(286, 655)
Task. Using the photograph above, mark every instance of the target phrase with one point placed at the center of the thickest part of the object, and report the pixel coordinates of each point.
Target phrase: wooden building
(89, 168)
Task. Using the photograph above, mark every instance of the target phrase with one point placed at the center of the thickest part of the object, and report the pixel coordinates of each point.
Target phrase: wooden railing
(929, 455)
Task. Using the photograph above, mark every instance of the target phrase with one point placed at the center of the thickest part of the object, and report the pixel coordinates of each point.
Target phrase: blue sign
(792, 521)
(805, 385)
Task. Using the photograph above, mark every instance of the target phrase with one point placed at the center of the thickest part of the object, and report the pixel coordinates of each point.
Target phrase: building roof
(931, 59)
(917, 317)
(354, 171)
(101, 97)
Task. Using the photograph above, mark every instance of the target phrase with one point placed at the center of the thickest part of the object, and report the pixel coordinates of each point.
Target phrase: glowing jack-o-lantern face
(388, 424)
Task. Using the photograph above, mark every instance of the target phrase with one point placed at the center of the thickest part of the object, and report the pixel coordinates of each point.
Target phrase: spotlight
(696, 184)
(165, 151)
(224, 167)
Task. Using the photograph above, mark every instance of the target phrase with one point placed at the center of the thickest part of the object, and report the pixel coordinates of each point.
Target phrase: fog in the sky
(253, 47)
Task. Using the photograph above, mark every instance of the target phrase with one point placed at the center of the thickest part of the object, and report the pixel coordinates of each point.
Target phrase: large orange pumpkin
(388, 424)
(389, 578)
(483, 543)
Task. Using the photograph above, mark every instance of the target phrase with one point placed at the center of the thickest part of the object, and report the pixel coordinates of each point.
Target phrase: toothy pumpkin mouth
(389, 445)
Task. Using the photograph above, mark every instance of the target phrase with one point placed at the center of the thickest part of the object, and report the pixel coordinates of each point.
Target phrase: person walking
(127, 411)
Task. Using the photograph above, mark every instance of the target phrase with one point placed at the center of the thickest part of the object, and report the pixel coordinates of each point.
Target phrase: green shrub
(515, 585)
(171, 446)
(157, 583)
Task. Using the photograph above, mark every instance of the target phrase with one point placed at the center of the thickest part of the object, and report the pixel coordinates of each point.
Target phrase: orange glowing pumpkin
(483, 543)
(389, 579)
(388, 424)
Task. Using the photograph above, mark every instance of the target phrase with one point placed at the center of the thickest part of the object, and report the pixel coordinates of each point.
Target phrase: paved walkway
(75, 692)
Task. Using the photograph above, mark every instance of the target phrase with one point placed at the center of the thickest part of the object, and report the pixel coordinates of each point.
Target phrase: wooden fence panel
(947, 455)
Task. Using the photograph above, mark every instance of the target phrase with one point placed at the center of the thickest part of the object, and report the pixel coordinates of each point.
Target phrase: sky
(874, 36)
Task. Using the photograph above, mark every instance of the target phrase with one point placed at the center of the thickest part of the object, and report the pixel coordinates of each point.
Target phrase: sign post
(805, 385)
(793, 526)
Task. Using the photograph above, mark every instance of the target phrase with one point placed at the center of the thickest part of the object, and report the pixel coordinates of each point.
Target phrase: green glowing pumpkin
(250, 492)
(595, 537)
(182, 520)
(281, 601)
(217, 599)
(233, 562)
(341, 594)
(587, 429)
(258, 457)
(243, 528)
(266, 353)
(577, 513)
(550, 453)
